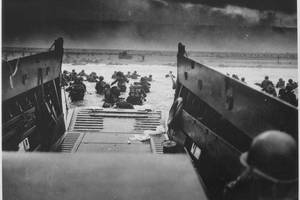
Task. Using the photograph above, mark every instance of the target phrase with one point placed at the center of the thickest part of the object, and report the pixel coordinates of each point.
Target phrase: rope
(14, 73)
(67, 108)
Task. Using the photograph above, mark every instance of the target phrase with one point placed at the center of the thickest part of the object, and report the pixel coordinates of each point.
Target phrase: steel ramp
(111, 130)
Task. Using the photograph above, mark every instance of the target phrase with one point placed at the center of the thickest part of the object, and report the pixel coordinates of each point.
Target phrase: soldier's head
(271, 164)
(119, 74)
(288, 88)
(290, 81)
(116, 91)
(106, 86)
(273, 156)
(101, 78)
(281, 92)
(76, 80)
(266, 77)
(270, 87)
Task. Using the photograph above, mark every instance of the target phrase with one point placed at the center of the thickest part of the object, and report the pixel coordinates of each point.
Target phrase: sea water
(161, 93)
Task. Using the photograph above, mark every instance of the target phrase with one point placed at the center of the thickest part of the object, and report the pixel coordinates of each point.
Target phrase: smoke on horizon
(148, 24)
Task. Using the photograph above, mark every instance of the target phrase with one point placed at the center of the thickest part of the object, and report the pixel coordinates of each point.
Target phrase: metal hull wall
(32, 114)
(218, 162)
(251, 111)
(21, 75)
(220, 117)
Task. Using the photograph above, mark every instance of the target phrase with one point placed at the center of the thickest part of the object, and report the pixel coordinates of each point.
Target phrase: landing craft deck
(94, 129)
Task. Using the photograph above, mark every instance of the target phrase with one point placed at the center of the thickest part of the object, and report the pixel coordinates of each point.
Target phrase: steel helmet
(274, 156)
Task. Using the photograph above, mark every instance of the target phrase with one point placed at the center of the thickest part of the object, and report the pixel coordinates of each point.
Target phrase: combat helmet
(274, 156)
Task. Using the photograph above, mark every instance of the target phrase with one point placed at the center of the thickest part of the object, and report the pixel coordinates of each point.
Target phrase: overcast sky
(248, 12)
(37, 20)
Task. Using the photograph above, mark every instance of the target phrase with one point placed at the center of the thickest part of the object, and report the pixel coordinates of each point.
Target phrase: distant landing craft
(124, 55)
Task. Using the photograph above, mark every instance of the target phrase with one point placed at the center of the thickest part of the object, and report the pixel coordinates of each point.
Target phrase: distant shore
(115, 57)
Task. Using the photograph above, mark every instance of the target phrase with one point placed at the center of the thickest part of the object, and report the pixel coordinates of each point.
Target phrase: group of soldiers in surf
(68, 77)
(286, 91)
(133, 75)
(76, 87)
(137, 90)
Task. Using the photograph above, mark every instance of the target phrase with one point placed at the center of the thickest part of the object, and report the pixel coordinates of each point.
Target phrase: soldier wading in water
(76, 90)
(121, 81)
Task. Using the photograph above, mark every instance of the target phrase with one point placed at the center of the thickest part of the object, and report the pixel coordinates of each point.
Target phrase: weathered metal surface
(111, 130)
(216, 151)
(249, 110)
(31, 101)
(21, 75)
(99, 176)
(113, 120)
(112, 142)
(220, 117)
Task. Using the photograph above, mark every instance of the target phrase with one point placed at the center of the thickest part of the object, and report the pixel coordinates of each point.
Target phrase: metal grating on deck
(84, 121)
(114, 120)
(147, 123)
(70, 142)
(112, 130)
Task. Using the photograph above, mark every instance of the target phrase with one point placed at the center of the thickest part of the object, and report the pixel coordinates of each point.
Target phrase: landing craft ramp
(94, 129)
(99, 162)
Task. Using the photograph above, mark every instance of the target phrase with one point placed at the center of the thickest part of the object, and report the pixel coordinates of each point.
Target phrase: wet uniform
(288, 95)
(76, 91)
(134, 75)
(82, 73)
(121, 81)
(280, 83)
(265, 83)
(111, 95)
(73, 75)
(92, 77)
(136, 95)
(100, 87)
(65, 78)
(271, 90)
(145, 85)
